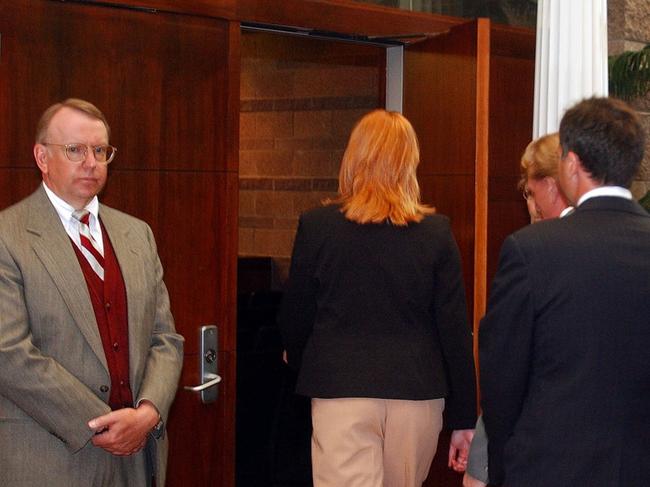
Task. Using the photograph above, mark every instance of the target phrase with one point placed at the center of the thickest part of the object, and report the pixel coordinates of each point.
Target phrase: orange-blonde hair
(541, 158)
(377, 180)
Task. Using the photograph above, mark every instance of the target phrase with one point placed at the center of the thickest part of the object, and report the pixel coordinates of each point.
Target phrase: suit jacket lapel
(130, 262)
(54, 249)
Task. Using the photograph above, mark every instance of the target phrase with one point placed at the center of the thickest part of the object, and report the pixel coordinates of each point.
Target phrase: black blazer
(565, 351)
(379, 311)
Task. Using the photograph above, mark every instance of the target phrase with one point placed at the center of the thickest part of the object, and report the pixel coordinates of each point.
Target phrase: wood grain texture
(512, 83)
(17, 183)
(165, 83)
(449, 195)
(160, 80)
(191, 215)
(193, 427)
(440, 99)
(224, 9)
(513, 42)
(233, 97)
(481, 172)
(341, 16)
(169, 85)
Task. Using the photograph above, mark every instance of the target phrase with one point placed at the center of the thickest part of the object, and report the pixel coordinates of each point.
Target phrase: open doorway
(300, 98)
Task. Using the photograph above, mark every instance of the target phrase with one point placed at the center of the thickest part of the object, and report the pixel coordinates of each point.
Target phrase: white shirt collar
(566, 211)
(71, 226)
(65, 210)
(616, 191)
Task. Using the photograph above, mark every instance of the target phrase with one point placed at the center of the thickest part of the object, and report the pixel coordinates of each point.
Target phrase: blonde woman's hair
(541, 159)
(377, 180)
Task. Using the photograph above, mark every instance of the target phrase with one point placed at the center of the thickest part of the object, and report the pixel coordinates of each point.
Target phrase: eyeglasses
(103, 154)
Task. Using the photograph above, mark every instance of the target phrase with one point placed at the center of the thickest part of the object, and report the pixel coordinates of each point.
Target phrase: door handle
(214, 380)
(208, 365)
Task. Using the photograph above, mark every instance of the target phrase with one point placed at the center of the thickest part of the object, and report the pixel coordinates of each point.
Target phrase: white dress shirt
(617, 191)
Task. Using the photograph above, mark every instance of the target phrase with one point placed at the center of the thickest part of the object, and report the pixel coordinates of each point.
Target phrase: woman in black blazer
(375, 319)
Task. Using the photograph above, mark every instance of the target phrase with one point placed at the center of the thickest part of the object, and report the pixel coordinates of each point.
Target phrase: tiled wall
(299, 100)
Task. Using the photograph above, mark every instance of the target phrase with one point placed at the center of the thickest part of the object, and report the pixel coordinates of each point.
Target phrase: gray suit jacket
(52, 364)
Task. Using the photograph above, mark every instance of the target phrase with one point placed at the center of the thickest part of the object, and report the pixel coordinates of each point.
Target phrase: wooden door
(169, 86)
(446, 100)
(512, 84)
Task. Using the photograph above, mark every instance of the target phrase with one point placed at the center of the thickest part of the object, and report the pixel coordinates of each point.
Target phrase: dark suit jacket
(379, 311)
(565, 351)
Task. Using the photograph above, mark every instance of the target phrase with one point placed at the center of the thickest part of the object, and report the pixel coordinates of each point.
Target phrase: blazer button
(104, 388)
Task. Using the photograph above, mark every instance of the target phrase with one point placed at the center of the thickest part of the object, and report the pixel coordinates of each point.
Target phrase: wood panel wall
(169, 87)
(512, 85)
(166, 74)
(445, 87)
(335, 16)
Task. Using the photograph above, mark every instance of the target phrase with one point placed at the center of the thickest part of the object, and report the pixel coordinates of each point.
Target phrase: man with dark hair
(607, 136)
(89, 358)
(565, 344)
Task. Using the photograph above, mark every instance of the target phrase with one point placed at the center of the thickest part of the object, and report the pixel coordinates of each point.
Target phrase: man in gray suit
(89, 357)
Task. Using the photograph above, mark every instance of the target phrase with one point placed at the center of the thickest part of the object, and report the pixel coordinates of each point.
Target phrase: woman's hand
(459, 449)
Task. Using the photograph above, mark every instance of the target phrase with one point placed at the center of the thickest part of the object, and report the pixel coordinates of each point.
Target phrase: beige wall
(629, 29)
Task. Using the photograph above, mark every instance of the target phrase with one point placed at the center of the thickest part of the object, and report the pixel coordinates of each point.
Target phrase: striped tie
(89, 246)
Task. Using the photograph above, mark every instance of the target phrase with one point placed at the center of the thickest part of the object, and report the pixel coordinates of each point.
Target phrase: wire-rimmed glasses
(77, 152)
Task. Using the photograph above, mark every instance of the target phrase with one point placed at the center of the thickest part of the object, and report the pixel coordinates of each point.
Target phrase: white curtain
(571, 58)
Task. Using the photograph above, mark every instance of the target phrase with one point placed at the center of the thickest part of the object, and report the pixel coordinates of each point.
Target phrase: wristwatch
(158, 430)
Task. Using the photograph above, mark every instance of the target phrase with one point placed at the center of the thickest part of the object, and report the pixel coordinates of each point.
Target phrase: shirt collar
(567, 211)
(65, 210)
(616, 191)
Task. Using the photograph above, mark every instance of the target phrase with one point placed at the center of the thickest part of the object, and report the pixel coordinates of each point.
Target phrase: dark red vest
(109, 303)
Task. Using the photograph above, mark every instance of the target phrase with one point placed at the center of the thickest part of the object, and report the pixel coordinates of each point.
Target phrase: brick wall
(629, 30)
(299, 100)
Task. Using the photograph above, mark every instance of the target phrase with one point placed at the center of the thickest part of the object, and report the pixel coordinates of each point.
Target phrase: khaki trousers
(360, 442)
